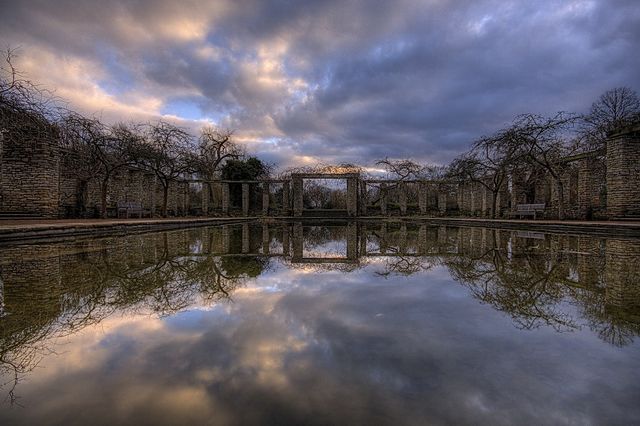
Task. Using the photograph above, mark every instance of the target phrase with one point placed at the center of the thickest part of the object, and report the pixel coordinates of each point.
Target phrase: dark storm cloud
(341, 81)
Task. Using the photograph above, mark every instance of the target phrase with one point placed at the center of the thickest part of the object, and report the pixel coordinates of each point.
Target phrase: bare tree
(487, 164)
(544, 142)
(401, 169)
(215, 146)
(614, 108)
(27, 112)
(165, 151)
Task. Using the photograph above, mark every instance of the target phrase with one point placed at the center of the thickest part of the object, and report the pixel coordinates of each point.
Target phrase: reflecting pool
(342, 323)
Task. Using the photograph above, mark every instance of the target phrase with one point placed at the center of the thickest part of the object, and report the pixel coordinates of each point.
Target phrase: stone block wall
(29, 177)
(623, 173)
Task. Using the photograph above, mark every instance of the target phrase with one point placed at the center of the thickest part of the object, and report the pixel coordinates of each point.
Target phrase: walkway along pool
(301, 323)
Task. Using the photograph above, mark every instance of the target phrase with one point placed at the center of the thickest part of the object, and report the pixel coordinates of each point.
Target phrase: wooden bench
(130, 208)
(528, 210)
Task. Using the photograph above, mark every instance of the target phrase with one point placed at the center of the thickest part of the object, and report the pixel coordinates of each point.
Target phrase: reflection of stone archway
(352, 191)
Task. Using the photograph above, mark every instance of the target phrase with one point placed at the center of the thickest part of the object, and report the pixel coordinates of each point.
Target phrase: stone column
(403, 198)
(442, 200)
(245, 199)
(422, 198)
(225, 198)
(383, 199)
(514, 194)
(297, 196)
(623, 173)
(265, 198)
(352, 196)
(205, 199)
(187, 201)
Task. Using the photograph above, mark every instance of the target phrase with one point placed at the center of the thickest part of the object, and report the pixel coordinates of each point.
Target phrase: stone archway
(352, 180)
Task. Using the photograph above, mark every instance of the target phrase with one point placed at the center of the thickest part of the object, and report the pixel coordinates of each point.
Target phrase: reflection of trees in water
(529, 286)
(559, 281)
(57, 293)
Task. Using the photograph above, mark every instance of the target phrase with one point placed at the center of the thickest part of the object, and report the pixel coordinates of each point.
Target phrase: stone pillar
(265, 198)
(352, 197)
(186, 200)
(205, 199)
(623, 173)
(403, 198)
(225, 198)
(485, 201)
(422, 198)
(442, 200)
(297, 196)
(383, 199)
(245, 199)
(514, 193)
(285, 198)
(298, 241)
(364, 197)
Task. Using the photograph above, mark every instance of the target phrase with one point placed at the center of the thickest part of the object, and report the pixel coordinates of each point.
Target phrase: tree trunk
(103, 197)
(165, 200)
(560, 191)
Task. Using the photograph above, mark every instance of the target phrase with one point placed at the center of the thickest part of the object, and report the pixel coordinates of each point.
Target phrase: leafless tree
(401, 169)
(27, 112)
(165, 151)
(488, 164)
(215, 146)
(544, 142)
(616, 107)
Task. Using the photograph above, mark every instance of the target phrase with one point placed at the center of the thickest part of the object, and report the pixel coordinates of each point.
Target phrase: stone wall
(623, 173)
(29, 177)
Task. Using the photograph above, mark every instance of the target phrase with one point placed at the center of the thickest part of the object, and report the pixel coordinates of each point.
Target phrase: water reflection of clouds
(435, 354)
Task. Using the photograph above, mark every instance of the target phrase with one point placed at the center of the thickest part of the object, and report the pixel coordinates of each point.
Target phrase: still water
(359, 323)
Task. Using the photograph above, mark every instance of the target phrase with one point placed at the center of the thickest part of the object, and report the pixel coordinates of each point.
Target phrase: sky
(328, 81)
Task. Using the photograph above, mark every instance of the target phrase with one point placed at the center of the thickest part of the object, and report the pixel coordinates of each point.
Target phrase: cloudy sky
(330, 81)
